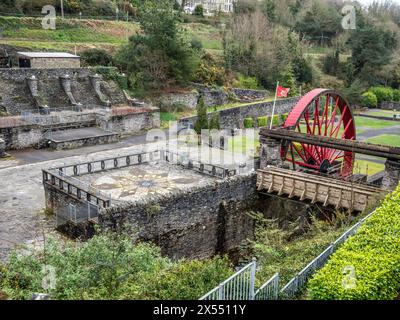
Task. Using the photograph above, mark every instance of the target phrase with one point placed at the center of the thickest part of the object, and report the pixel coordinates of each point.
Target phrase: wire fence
(240, 286)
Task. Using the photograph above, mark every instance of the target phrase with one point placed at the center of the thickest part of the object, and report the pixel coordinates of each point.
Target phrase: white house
(209, 6)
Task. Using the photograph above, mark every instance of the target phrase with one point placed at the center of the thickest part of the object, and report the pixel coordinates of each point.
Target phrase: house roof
(47, 55)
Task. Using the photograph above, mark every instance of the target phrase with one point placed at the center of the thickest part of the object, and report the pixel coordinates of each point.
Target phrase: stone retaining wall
(20, 132)
(390, 105)
(233, 118)
(212, 97)
(197, 223)
(16, 96)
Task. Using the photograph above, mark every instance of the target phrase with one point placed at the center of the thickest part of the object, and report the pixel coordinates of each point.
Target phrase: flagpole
(273, 108)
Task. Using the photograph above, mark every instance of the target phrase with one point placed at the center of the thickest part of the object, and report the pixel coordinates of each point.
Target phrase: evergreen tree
(371, 48)
(202, 119)
(214, 122)
(288, 80)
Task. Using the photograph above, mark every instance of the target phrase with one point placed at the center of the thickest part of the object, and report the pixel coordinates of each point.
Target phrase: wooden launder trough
(326, 191)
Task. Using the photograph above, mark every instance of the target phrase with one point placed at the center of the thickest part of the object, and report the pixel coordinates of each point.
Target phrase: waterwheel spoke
(337, 129)
(299, 152)
(331, 117)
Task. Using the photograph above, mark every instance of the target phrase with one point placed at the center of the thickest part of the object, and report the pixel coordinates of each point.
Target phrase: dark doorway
(24, 63)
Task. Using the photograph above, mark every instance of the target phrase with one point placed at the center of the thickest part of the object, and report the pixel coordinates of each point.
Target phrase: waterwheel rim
(333, 118)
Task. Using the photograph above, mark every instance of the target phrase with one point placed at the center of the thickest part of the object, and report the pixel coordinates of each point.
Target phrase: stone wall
(233, 118)
(55, 63)
(81, 142)
(25, 132)
(197, 223)
(16, 96)
(170, 100)
(21, 137)
(390, 105)
(130, 123)
(247, 94)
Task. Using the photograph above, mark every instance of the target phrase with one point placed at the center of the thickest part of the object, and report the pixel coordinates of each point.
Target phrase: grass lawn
(386, 139)
(243, 144)
(362, 122)
(367, 167)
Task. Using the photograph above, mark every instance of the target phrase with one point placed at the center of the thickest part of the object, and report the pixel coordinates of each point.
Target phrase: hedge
(374, 255)
(248, 123)
(276, 120)
(262, 121)
(369, 100)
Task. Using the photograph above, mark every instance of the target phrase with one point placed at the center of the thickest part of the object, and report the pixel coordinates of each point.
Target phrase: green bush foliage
(369, 100)
(262, 121)
(248, 123)
(215, 120)
(246, 82)
(209, 73)
(373, 253)
(96, 57)
(382, 93)
(112, 73)
(396, 95)
(109, 266)
(198, 10)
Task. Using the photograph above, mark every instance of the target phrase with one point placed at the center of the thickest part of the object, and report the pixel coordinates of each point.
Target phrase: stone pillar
(392, 174)
(95, 81)
(33, 86)
(270, 153)
(2, 148)
(66, 85)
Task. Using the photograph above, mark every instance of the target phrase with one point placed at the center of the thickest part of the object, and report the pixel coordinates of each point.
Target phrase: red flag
(282, 92)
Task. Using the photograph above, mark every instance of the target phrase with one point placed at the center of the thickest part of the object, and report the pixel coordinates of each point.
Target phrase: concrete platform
(75, 138)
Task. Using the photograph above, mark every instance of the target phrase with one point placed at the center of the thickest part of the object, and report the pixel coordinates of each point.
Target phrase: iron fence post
(221, 292)
(252, 278)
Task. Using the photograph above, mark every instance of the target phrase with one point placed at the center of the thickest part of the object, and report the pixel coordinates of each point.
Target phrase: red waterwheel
(326, 113)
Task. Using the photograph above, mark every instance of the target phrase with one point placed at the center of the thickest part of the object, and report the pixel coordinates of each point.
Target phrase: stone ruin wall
(233, 118)
(195, 223)
(16, 96)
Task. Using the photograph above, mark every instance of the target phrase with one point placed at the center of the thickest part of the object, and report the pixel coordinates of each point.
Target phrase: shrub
(284, 116)
(112, 73)
(373, 255)
(369, 100)
(382, 93)
(110, 266)
(262, 121)
(396, 95)
(209, 73)
(276, 120)
(96, 57)
(248, 123)
(196, 44)
(246, 82)
(199, 11)
(215, 121)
